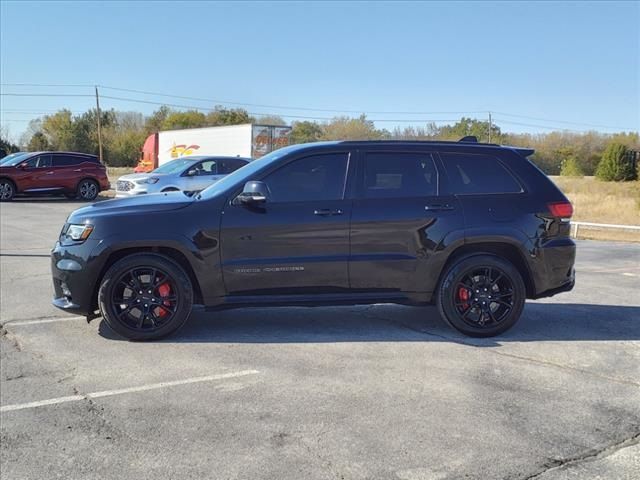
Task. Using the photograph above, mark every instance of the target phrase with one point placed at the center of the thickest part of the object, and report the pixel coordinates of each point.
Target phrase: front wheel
(481, 295)
(145, 297)
(7, 190)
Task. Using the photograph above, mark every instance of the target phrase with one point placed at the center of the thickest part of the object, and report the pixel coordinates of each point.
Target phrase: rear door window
(67, 160)
(399, 175)
(478, 174)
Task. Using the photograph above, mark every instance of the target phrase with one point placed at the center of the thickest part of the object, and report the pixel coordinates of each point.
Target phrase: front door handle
(438, 207)
(325, 212)
(78, 170)
(49, 173)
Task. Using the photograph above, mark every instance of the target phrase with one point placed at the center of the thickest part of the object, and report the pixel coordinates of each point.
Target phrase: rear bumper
(553, 268)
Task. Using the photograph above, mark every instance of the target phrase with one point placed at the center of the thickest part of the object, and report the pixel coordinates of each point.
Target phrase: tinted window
(318, 177)
(395, 174)
(230, 165)
(41, 161)
(473, 173)
(67, 160)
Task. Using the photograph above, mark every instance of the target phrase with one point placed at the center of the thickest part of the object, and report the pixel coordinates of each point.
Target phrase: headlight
(78, 232)
(148, 180)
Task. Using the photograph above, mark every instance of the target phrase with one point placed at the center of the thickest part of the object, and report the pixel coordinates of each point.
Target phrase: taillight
(561, 209)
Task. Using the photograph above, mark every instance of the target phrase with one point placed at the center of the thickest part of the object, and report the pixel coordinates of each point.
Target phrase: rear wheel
(481, 295)
(7, 190)
(145, 297)
(88, 190)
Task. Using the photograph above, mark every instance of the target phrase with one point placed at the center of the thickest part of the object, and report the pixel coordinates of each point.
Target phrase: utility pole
(99, 127)
(490, 126)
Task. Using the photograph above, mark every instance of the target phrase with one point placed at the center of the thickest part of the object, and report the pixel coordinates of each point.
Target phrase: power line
(226, 102)
(561, 121)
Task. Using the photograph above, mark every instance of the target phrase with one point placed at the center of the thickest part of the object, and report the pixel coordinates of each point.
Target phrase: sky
(537, 66)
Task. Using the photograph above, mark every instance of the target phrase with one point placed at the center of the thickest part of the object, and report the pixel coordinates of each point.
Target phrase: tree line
(610, 156)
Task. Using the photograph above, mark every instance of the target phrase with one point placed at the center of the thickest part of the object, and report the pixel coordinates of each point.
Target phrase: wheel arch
(168, 252)
(13, 182)
(505, 250)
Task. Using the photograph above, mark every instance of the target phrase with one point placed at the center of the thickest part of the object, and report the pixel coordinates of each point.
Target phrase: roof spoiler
(525, 152)
(469, 139)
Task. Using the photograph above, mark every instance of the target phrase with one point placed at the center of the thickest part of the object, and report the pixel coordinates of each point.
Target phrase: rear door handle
(78, 170)
(438, 207)
(49, 173)
(325, 212)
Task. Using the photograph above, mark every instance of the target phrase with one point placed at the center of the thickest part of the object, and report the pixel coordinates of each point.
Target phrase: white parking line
(42, 320)
(109, 393)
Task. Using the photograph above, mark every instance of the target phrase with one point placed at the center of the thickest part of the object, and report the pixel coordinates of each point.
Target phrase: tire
(7, 190)
(88, 190)
(481, 295)
(145, 316)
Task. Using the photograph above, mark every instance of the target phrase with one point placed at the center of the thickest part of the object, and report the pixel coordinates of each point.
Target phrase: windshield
(244, 174)
(174, 166)
(14, 159)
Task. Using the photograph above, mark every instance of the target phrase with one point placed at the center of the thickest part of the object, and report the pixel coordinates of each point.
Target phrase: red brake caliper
(463, 295)
(164, 290)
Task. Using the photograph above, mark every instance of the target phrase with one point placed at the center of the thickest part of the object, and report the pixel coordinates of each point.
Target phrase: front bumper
(74, 272)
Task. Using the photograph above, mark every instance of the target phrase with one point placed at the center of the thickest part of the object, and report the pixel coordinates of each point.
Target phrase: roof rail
(469, 139)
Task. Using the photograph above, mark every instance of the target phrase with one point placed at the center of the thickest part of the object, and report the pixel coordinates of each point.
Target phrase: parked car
(190, 174)
(76, 175)
(474, 228)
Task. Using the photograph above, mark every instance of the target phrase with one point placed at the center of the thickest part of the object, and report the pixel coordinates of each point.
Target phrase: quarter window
(399, 175)
(317, 177)
(477, 174)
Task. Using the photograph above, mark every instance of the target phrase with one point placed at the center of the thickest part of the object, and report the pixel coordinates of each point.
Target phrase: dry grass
(115, 172)
(603, 202)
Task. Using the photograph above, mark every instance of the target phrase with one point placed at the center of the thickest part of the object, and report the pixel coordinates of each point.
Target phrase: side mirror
(192, 172)
(254, 193)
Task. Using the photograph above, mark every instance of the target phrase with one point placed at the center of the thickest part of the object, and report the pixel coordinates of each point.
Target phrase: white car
(190, 174)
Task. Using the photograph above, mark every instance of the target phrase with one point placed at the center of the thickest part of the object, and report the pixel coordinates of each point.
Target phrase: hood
(137, 205)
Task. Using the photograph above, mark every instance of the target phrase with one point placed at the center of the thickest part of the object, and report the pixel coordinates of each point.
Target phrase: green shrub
(616, 164)
(571, 168)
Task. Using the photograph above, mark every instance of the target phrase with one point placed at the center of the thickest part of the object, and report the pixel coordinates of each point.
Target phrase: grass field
(593, 201)
(603, 202)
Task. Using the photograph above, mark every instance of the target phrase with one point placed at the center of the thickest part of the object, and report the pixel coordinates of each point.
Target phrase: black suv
(474, 228)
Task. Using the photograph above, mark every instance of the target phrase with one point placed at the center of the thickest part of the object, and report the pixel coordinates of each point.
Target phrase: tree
(6, 145)
(616, 164)
(38, 143)
(471, 126)
(305, 132)
(228, 116)
(60, 131)
(270, 120)
(187, 119)
(346, 128)
(571, 168)
(155, 122)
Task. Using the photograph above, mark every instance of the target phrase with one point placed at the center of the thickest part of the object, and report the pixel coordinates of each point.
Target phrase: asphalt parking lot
(372, 392)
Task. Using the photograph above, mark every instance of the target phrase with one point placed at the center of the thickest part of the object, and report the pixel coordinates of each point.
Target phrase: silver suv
(190, 174)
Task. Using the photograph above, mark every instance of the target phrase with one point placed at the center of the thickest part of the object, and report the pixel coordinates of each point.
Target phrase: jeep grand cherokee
(474, 228)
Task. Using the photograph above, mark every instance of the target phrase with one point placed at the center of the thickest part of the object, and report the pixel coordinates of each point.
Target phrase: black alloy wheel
(145, 297)
(482, 295)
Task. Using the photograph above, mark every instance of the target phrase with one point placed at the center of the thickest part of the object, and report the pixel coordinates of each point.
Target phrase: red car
(76, 175)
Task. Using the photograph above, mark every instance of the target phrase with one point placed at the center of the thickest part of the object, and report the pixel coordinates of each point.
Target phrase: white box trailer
(246, 140)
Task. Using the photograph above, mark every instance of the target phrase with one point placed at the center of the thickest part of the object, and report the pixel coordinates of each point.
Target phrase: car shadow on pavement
(395, 323)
